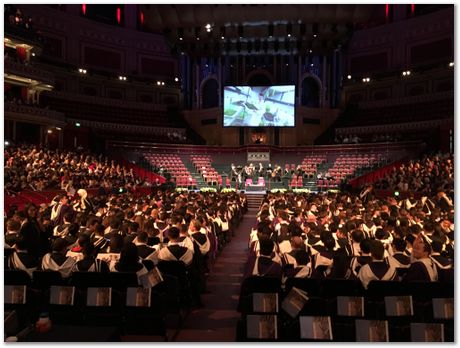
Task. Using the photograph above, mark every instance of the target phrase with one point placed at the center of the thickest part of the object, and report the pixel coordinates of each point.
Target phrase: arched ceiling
(256, 28)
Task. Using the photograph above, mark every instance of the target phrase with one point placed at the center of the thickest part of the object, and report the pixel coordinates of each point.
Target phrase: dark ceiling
(257, 28)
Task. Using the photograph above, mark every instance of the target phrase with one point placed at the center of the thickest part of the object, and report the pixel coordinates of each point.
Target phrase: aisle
(216, 321)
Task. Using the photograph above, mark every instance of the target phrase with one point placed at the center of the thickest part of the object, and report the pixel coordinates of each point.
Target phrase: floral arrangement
(301, 190)
(181, 189)
(227, 190)
(278, 190)
(208, 189)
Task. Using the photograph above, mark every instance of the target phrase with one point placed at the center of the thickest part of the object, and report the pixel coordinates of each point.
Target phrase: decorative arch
(261, 75)
(311, 90)
(210, 92)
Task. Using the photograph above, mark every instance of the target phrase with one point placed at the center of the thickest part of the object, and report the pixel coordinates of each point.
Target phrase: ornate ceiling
(256, 28)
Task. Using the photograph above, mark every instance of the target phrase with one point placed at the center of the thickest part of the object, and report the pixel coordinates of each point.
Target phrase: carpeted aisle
(216, 320)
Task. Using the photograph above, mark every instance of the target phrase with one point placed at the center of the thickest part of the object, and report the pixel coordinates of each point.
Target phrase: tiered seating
(174, 165)
(310, 162)
(345, 165)
(202, 164)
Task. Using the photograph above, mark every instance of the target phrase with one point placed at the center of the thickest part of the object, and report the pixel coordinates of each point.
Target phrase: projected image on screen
(271, 106)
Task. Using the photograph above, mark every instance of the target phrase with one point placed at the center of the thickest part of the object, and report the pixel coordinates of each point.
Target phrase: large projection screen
(260, 106)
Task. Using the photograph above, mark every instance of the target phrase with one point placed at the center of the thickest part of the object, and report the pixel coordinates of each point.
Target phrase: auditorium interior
(228, 172)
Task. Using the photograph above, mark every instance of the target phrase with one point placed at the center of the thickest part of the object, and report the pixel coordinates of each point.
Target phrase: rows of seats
(173, 297)
(203, 165)
(310, 163)
(345, 165)
(124, 319)
(174, 165)
(324, 296)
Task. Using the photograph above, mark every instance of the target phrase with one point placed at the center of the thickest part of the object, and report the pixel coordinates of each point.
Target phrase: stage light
(158, 83)
(314, 35)
(33, 54)
(349, 77)
(408, 72)
(176, 79)
(162, 83)
(222, 37)
(7, 143)
(404, 73)
(77, 124)
(397, 193)
(58, 128)
(50, 131)
(311, 51)
(312, 64)
(451, 64)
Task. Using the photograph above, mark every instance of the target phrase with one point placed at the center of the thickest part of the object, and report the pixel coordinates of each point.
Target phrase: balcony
(33, 114)
(28, 74)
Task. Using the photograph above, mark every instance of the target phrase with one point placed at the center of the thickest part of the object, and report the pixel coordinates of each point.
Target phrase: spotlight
(176, 79)
(120, 77)
(58, 128)
(222, 37)
(162, 83)
(314, 35)
(50, 131)
(311, 51)
(408, 72)
(33, 54)
(404, 73)
(7, 143)
(158, 83)
(396, 193)
(451, 64)
(349, 77)
(77, 124)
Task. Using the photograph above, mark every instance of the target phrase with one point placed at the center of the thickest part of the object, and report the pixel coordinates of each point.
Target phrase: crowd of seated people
(430, 173)
(123, 233)
(33, 168)
(337, 235)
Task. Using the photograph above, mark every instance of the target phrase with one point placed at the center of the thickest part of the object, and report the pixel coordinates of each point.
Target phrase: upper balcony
(19, 73)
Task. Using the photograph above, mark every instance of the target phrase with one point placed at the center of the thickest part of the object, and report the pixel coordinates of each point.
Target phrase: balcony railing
(406, 100)
(28, 71)
(126, 128)
(33, 113)
(107, 101)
